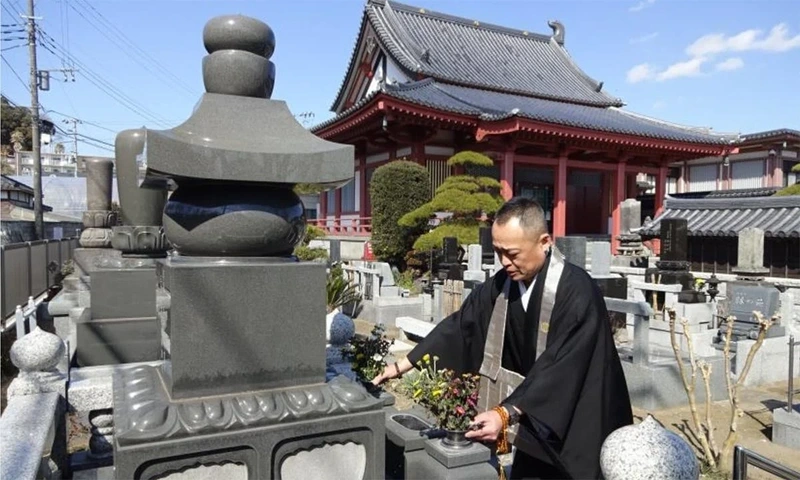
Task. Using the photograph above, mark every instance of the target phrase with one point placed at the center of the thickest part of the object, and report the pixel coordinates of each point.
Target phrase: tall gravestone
(243, 380)
(573, 248)
(98, 217)
(613, 286)
(749, 292)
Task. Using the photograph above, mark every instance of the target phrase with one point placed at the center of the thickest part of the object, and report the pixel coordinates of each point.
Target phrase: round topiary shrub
(396, 189)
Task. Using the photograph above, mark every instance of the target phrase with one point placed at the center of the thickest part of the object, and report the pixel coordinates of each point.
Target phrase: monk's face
(521, 252)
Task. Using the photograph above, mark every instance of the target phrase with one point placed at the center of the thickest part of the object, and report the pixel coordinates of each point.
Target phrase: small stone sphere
(341, 330)
(38, 351)
(234, 220)
(237, 32)
(647, 451)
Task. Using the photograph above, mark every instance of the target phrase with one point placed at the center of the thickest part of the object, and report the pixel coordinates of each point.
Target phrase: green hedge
(396, 189)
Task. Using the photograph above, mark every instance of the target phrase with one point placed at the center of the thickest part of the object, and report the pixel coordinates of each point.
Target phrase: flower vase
(456, 439)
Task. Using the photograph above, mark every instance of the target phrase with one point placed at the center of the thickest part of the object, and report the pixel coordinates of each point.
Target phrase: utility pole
(74, 122)
(37, 145)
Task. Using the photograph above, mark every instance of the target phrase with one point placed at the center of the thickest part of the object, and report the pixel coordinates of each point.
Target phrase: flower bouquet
(367, 356)
(451, 399)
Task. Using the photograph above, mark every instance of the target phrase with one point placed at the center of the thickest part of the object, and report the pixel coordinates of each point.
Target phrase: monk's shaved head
(527, 211)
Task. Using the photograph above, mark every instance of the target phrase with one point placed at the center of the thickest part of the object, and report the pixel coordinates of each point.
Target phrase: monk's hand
(486, 426)
(394, 370)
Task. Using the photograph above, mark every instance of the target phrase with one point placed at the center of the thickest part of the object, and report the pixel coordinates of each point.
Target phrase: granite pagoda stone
(243, 377)
(98, 217)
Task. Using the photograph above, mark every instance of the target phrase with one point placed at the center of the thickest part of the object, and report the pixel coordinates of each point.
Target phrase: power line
(101, 83)
(16, 74)
(131, 46)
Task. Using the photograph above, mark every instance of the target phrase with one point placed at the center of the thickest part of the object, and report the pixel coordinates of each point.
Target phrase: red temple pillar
(362, 186)
(605, 210)
(337, 210)
(617, 197)
(560, 198)
(322, 214)
(418, 153)
(507, 173)
(661, 188)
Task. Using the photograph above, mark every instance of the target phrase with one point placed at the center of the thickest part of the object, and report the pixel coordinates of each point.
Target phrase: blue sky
(733, 65)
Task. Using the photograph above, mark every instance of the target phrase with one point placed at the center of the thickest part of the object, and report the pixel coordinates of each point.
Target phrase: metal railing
(361, 226)
(743, 457)
(29, 269)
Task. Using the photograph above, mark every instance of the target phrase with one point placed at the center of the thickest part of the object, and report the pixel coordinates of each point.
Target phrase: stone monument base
(658, 385)
(786, 427)
(116, 340)
(333, 430)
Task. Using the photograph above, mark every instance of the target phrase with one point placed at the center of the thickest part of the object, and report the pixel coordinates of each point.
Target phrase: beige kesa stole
(497, 383)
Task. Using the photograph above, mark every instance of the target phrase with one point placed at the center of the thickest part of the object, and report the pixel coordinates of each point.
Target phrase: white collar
(525, 293)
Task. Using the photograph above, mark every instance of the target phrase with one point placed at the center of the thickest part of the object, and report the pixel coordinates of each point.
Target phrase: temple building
(423, 85)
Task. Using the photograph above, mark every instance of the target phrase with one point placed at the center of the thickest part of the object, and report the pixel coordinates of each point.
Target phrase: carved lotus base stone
(99, 218)
(144, 241)
(95, 238)
(262, 430)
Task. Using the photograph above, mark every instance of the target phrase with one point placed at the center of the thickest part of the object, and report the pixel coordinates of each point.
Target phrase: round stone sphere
(38, 351)
(647, 451)
(341, 330)
(234, 220)
(236, 72)
(237, 32)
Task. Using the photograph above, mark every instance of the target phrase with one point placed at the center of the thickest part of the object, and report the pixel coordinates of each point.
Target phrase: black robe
(573, 396)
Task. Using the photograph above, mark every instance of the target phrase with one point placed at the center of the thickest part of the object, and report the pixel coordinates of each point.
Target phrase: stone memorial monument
(98, 219)
(673, 266)
(630, 242)
(243, 380)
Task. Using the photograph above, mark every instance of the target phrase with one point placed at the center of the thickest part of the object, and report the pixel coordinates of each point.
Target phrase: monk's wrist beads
(502, 438)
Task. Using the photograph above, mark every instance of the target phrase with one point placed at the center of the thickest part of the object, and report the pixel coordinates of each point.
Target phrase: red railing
(354, 227)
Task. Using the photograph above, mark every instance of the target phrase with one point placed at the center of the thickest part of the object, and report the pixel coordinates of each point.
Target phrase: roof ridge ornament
(558, 31)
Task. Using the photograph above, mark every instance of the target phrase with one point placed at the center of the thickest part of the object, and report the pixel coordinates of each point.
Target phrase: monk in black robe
(571, 393)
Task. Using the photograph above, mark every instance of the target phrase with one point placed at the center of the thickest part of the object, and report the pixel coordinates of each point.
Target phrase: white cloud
(778, 40)
(641, 5)
(646, 71)
(733, 63)
(644, 38)
(689, 68)
(641, 72)
(705, 48)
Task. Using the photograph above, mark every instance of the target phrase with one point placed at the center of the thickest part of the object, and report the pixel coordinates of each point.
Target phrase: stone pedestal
(121, 326)
(98, 217)
(786, 427)
(437, 461)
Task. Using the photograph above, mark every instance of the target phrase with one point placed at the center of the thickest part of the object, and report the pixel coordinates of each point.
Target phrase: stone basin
(411, 422)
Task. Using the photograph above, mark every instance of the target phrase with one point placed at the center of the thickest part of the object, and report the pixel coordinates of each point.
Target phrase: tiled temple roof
(777, 216)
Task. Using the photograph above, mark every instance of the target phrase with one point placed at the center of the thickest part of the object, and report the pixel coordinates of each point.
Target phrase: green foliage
(451, 399)
(469, 158)
(306, 253)
(308, 188)
(313, 232)
(790, 190)
(796, 168)
(340, 291)
(396, 189)
(465, 230)
(15, 120)
(466, 197)
(367, 356)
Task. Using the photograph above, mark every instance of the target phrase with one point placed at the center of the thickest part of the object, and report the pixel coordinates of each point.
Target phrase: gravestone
(743, 298)
(98, 217)
(630, 242)
(613, 286)
(750, 254)
(673, 266)
(573, 248)
(601, 258)
(487, 247)
(243, 377)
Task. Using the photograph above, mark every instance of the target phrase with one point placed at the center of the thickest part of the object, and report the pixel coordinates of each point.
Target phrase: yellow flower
(418, 393)
(436, 393)
(426, 358)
